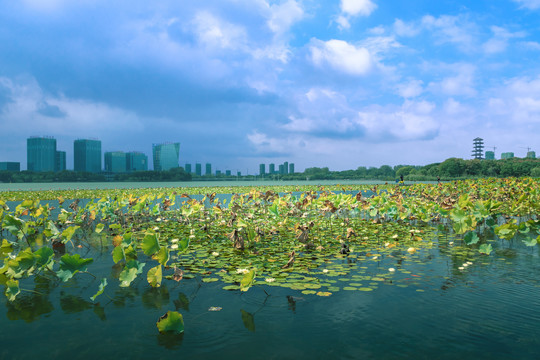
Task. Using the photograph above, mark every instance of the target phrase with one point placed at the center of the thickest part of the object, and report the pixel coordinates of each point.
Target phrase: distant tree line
(176, 174)
(450, 169)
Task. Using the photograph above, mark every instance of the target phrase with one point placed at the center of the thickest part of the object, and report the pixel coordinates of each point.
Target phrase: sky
(337, 83)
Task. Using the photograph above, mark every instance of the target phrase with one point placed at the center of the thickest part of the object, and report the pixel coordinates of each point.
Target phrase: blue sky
(342, 83)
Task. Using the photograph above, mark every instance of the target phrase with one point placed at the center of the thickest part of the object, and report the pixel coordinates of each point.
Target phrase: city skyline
(340, 83)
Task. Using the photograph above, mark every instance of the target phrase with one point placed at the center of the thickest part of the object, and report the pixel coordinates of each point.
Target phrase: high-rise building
(60, 161)
(136, 161)
(188, 168)
(218, 172)
(87, 155)
(40, 153)
(115, 161)
(10, 166)
(165, 156)
(490, 155)
(281, 169)
(291, 168)
(507, 155)
(228, 172)
(262, 169)
(208, 169)
(198, 169)
(531, 155)
(272, 169)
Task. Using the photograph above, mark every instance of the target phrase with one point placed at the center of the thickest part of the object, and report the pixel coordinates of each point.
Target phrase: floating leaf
(100, 289)
(531, 241)
(118, 254)
(172, 321)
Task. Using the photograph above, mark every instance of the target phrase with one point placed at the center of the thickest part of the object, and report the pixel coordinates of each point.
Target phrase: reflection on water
(430, 308)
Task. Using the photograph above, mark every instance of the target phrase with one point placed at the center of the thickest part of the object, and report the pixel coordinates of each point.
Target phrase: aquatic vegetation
(313, 240)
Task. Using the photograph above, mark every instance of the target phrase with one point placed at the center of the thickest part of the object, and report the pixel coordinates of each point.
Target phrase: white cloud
(358, 7)
(452, 29)
(216, 33)
(77, 117)
(410, 89)
(529, 4)
(460, 84)
(404, 29)
(412, 121)
(341, 56)
(284, 15)
(499, 42)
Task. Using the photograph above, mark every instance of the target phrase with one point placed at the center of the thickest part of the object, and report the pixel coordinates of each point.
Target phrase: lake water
(138, 185)
(429, 309)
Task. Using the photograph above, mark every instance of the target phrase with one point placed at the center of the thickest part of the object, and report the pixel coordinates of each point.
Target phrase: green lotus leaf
(171, 322)
(12, 289)
(247, 280)
(70, 265)
(471, 238)
(150, 244)
(118, 254)
(100, 289)
(155, 276)
(44, 257)
(162, 256)
(531, 241)
(485, 249)
(131, 270)
(68, 233)
(6, 247)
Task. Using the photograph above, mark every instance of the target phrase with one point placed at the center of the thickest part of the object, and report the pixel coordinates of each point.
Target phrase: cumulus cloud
(213, 32)
(30, 108)
(341, 56)
(404, 29)
(413, 120)
(284, 15)
(499, 42)
(462, 83)
(353, 8)
(456, 30)
(518, 101)
(357, 7)
(529, 4)
(410, 89)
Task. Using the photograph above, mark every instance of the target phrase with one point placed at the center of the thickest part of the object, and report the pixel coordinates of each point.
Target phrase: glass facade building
(41, 154)
(198, 169)
(208, 169)
(165, 156)
(10, 166)
(272, 169)
(188, 168)
(136, 161)
(291, 168)
(87, 155)
(115, 162)
(60, 161)
(262, 169)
